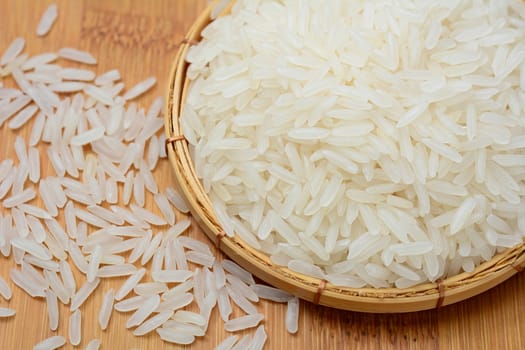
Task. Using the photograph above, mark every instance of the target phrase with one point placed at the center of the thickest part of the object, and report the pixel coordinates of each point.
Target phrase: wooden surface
(140, 39)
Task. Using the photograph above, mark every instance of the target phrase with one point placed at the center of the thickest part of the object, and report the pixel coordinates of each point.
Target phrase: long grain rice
(5, 290)
(6, 312)
(14, 49)
(243, 343)
(243, 322)
(75, 327)
(51, 343)
(140, 88)
(83, 293)
(94, 344)
(150, 288)
(106, 309)
(259, 339)
(46, 21)
(143, 311)
(227, 343)
(130, 283)
(77, 55)
(67, 277)
(153, 323)
(172, 336)
(292, 315)
(174, 302)
(52, 309)
(358, 163)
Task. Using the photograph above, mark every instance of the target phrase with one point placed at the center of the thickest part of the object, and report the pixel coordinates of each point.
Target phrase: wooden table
(140, 39)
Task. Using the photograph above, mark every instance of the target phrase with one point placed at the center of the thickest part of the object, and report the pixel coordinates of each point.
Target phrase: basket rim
(378, 300)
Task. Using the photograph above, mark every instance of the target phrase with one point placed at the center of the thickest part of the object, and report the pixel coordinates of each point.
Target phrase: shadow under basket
(381, 300)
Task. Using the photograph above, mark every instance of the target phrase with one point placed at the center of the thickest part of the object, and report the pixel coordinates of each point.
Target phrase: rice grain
(47, 20)
(106, 309)
(51, 343)
(75, 327)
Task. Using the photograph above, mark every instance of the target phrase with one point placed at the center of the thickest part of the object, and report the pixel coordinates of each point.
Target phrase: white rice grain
(147, 216)
(224, 304)
(57, 286)
(241, 301)
(143, 311)
(83, 293)
(31, 247)
(52, 309)
(75, 328)
(130, 283)
(14, 49)
(138, 189)
(184, 316)
(88, 137)
(5, 291)
(22, 197)
(94, 344)
(179, 289)
(238, 271)
(165, 208)
(171, 276)
(27, 285)
(116, 270)
(175, 337)
(153, 152)
(22, 117)
(243, 322)
(153, 323)
(106, 309)
(98, 94)
(39, 60)
(65, 87)
(259, 339)
(243, 289)
(47, 20)
(227, 343)
(177, 201)
(67, 277)
(76, 55)
(77, 257)
(150, 288)
(13, 107)
(174, 302)
(151, 248)
(200, 258)
(130, 304)
(6, 312)
(51, 343)
(292, 315)
(108, 77)
(140, 88)
(185, 328)
(34, 165)
(243, 343)
(94, 263)
(76, 74)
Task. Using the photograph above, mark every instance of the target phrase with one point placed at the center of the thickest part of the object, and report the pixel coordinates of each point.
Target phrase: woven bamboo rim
(385, 300)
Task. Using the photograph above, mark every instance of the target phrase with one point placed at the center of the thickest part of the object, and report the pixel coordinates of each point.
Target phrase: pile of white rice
(81, 203)
(368, 143)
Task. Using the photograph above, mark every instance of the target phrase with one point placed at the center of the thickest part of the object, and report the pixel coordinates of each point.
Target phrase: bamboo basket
(384, 300)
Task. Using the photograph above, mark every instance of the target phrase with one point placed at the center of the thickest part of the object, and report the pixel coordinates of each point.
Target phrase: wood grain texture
(140, 39)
